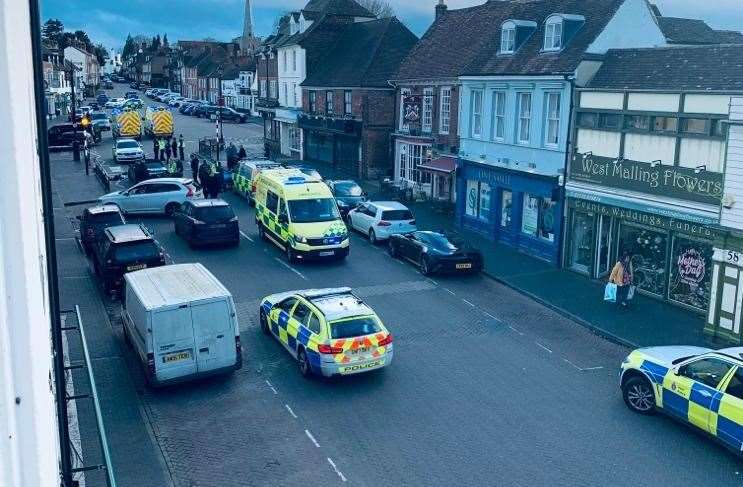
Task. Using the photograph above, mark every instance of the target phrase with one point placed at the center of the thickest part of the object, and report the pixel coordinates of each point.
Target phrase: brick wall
(445, 140)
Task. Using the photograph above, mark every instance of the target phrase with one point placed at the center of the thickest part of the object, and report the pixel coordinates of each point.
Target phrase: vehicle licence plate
(327, 254)
(352, 369)
(176, 357)
(136, 267)
(464, 266)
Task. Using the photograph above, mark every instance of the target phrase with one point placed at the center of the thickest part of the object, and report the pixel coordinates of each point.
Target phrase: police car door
(691, 392)
(729, 425)
(279, 320)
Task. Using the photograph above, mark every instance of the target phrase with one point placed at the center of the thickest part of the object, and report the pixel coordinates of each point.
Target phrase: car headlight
(300, 239)
(626, 360)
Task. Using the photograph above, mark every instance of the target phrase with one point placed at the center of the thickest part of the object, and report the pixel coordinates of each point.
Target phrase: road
(487, 386)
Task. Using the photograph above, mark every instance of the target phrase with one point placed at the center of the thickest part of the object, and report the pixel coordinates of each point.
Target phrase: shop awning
(444, 164)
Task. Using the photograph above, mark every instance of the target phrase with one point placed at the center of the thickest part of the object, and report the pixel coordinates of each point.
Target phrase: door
(173, 343)
(160, 195)
(412, 247)
(214, 332)
(279, 319)
(605, 246)
(729, 425)
(358, 215)
(691, 394)
(136, 199)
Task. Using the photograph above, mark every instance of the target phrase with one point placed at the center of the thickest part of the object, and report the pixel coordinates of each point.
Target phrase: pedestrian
(168, 152)
(204, 178)
(161, 146)
(178, 167)
(174, 147)
(195, 168)
(156, 149)
(181, 146)
(623, 276)
(241, 153)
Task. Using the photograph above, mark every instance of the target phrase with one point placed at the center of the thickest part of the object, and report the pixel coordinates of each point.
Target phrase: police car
(696, 385)
(329, 331)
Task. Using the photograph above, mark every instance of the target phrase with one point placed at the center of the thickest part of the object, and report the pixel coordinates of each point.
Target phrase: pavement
(488, 386)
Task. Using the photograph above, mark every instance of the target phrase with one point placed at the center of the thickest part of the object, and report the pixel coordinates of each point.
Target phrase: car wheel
(264, 323)
(638, 395)
(373, 237)
(291, 255)
(392, 249)
(304, 364)
(171, 208)
(425, 266)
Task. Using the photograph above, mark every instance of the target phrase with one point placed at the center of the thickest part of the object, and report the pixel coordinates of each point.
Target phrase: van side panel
(137, 323)
(173, 343)
(214, 333)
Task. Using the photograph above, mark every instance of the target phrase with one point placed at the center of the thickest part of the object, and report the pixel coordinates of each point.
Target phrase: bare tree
(381, 8)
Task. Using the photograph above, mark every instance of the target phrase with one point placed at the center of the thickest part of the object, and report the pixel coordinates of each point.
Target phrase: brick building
(348, 107)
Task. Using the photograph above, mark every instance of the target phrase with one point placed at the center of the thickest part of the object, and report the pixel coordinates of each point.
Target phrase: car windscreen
(440, 242)
(355, 327)
(127, 144)
(107, 219)
(397, 215)
(136, 251)
(348, 189)
(313, 210)
(214, 214)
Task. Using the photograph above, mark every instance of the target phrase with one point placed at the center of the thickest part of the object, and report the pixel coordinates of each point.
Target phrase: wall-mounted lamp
(587, 155)
(619, 160)
(699, 169)
(656, 163)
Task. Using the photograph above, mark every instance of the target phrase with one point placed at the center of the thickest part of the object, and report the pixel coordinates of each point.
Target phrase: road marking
(591, 368)
(290, 268)
(516, 330)
(246, 236)
(543, 347)
(271, 386)
(571, 363)
(433, 282)
(312, 438)
(489, 315)
(335, 469)
(467, 302)
(449, 291)
(288, 408)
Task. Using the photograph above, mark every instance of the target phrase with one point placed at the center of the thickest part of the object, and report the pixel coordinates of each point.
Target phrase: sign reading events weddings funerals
(661, 180)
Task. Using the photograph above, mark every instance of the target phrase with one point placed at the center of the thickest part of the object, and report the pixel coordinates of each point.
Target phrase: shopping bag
(631, 293)
(610, 292)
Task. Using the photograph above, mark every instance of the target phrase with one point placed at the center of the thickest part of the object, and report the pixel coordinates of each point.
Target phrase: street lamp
(220, 105)
(70, 75)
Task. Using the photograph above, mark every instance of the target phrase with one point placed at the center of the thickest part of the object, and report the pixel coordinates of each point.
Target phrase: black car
(63, 134)
(347, 194)
(435, 252)
(147, 169)
(122, 249)
(94, 221)
(184, 107)
(229, 115)
(202, 222)
(205, 111)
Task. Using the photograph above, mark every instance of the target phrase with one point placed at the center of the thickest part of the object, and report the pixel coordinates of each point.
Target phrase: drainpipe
(568, 150)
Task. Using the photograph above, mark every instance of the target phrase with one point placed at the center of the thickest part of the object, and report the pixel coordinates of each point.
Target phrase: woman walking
(622, 275)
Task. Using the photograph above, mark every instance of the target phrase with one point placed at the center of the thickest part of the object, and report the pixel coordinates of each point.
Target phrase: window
(720, 128)
(708, 371)
(695, 126)
(553, 35)
(283, 59)
(445, 111)
(553, 119)
(347, 102)
(588, 120)
(508, 39)
(735, 386)
(524, 126)
(294, 60)
(329, 102)
(476, 129)
(506, 202)
(404, 127)
(295, 88)
(273, 89)
(294, 138)
(302, 313)
(538, 217)
(478, 200)
(313, 101)
(286, 94)
(314, 324)
(499, 115)
(637, 122)
(665, 124)
(609, 120)
(272, 202)
(411, 156)
(288, 304)
(427, 110)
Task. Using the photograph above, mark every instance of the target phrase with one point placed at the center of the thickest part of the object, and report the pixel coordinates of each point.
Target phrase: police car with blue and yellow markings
(696, 385)
(329, 331)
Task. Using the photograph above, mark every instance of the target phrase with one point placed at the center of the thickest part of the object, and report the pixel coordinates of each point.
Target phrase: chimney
(440, 9)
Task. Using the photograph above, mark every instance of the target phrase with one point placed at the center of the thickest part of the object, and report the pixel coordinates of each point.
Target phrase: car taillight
(385, 341)
(151, 365)
(383, 223)
(328, 350)
(190, 192)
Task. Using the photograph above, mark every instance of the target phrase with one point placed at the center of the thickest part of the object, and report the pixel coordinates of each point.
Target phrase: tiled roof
(687, 31)
(466, 41)
(678, 68)
(365, 54)
(729, 36)
(335, 7)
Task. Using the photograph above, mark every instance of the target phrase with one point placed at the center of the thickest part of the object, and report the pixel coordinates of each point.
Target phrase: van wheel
(264, 323)
(304, 364)
(171, 208)
(291, 256)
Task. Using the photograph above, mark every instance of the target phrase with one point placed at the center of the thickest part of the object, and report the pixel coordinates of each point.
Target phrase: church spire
(248, 21)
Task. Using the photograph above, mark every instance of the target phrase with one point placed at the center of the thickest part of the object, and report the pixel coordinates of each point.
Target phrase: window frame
(556, 25)
(347, 102)
(508, 38)
(427, 111)
(521, 118)
(549, 121)
(445, 115)
(499, 116)
(312, 100)
(476, 115)
(681, 369)
(329, 102)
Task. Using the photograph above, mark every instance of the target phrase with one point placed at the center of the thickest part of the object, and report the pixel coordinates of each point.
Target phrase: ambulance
(128, 124)
(298, 213)
(158, 122)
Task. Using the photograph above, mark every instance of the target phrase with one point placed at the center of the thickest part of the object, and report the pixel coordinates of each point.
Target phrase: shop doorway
(606, 248)
(581, 255)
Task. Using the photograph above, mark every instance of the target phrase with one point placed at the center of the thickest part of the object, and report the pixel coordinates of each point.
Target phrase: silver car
(154, 196)
(127, 151)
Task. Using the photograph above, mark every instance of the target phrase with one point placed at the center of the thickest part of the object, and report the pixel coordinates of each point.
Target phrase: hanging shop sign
(652, 220)
(412, 106)
(662, 180)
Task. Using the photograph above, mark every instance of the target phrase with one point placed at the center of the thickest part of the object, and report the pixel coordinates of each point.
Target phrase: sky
(109, 21)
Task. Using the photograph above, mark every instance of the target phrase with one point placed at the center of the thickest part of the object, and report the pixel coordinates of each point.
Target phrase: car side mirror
(675, 370)
(283, 219)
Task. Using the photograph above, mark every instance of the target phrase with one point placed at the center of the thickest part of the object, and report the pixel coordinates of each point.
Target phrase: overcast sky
(109, 21)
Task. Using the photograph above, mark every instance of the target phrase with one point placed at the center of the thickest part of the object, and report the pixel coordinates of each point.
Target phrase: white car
(154, 196)
(380, 219)
(148, 92)
(115, 103)
(176, 101)
(126, 151)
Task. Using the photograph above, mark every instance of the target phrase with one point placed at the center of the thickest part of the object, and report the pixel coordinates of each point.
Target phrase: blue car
(207, 222)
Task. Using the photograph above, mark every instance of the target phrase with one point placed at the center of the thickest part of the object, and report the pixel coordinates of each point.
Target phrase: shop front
(671, 253)
(332, 141)
(513, 207)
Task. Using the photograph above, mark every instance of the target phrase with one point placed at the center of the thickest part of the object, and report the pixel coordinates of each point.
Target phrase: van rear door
(215, 335)
(173, 343)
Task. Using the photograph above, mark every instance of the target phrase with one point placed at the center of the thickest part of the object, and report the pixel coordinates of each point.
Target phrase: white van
(181, 321)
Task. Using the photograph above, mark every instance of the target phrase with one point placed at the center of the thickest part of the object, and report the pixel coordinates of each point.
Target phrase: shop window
(538, 217)
(648, 255)
(411, 156)
(588, 120)
(609, 120)
(478, 200)
(506, 204)
(695, 126)
(665, 124)
(580, 256)
(637, 122)
(691, 271)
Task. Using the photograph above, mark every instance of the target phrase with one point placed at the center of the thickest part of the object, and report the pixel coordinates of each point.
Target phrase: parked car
(176, 101)
(100, 120)
(181, 322)
(435, 252)
(157, 196)
(381, 219)
(63, 134)
(102, 99)
(93, 222)
(122, 249)
(108, 85)
(113, 102)
(206, 111)
(229, 115)
(203, 222)
(348, 194)
(149, 92)
(127, 151)
(145, 169)
(94, 106)
(185, 107)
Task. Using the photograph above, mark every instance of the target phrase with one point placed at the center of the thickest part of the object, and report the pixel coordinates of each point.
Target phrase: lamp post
(70, 74)
(220, 105)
